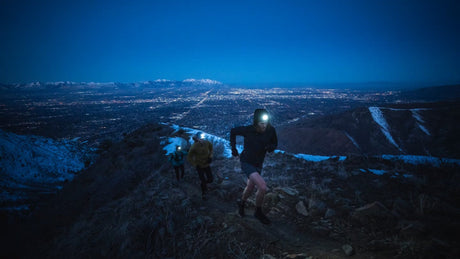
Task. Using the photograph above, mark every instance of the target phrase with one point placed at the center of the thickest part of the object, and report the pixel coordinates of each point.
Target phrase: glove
(234, 151)
(209, 160)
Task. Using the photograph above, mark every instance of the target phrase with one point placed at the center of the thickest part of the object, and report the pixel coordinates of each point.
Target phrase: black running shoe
(240, 207)
(261, 217)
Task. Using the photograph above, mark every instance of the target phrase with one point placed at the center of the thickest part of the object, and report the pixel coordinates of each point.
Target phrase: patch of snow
(293, 120)
(403, 175)
(215, 140)
(377, 115)
(377, 171)
(423, 129)
(173, 143)
(316, 158)
(418, 160)
(419, 120)
(352, 140)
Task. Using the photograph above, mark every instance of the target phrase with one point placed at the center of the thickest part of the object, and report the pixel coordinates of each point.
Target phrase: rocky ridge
(128, 204)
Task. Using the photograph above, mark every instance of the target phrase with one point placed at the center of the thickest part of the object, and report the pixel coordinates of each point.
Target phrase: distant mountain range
(108, 85)
(429, 129)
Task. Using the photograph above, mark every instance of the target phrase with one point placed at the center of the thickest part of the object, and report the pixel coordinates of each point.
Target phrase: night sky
(235, 42)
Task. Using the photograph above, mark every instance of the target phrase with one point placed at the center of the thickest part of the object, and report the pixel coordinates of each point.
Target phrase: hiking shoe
(240, 207)
(261, 217)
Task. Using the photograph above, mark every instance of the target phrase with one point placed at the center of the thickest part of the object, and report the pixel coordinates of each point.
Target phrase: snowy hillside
(400, 129)
(171, 144)
(32, 165)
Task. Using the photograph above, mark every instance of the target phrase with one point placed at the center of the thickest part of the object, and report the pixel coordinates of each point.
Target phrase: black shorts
(248, 169)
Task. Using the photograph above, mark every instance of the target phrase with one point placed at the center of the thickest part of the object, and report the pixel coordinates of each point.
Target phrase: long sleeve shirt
(177, 158)
(256, 144)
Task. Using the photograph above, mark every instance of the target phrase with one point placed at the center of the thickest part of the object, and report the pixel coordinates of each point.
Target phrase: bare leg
(258, 181)
(248, 190)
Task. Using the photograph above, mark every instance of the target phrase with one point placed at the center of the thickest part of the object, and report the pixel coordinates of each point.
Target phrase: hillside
(129, 205)
(33, 166)
(429, 129)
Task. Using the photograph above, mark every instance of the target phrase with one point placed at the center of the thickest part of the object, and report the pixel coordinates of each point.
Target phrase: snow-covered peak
(202, 81)
(61, 83)
(33, 85)
(162, 80)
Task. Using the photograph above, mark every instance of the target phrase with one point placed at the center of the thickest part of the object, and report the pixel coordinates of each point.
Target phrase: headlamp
(178, 148)
(202, 136)
(264, 117)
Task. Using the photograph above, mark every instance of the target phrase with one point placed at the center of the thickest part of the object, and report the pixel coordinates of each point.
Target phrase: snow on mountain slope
(352, 140)
(420, 121)
(378, 117)
(227, 152)
(32, 165)
(215, 140)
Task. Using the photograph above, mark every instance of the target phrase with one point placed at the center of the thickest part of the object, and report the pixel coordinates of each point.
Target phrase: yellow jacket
(199, 154)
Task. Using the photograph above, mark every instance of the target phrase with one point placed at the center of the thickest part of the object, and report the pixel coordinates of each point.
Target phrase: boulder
(348, 249)
(371, 213)
(287, 190)
(301, 209)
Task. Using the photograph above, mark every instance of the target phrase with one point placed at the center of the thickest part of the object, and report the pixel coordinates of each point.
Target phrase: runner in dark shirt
(259, 138)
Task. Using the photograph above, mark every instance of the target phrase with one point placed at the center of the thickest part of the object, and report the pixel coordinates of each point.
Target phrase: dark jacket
(255, 144)
(177, 158)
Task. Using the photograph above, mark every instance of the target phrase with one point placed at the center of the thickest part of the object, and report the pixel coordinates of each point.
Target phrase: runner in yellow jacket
(200, 156)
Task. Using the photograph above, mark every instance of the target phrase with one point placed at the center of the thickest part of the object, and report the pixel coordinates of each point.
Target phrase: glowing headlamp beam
(265, 117)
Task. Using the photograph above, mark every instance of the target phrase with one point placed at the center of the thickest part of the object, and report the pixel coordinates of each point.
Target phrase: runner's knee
(262, 188)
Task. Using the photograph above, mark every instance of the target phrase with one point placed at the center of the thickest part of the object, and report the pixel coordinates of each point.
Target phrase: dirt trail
(281, 239)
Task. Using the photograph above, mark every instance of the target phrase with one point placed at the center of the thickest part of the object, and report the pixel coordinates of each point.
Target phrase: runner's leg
(176, 169)
(261, 187)
(248, 190)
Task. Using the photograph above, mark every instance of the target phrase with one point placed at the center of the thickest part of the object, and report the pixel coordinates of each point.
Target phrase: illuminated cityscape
(95, 114)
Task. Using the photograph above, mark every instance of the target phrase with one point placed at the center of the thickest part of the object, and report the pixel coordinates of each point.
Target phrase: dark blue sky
(235, 42)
